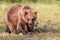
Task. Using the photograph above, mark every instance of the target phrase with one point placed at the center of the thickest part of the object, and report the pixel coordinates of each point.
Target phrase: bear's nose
(30, 24)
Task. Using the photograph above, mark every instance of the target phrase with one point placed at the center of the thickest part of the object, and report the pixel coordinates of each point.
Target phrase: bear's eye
(33, 19)
(26, 13)
(28, 19)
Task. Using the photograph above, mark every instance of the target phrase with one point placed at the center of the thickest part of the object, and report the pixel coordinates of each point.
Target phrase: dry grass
(34, 36)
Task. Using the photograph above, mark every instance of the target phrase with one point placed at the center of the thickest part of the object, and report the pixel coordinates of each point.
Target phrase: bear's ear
(26, 7)
(35, 13)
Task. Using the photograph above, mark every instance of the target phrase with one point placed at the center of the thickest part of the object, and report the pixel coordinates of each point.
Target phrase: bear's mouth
(30, 25)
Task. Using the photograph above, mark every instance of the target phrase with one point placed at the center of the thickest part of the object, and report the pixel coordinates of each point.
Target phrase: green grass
(48, 18)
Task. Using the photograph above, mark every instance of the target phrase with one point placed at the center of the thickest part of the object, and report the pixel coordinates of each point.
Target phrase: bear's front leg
(26, 30)
(19, 29)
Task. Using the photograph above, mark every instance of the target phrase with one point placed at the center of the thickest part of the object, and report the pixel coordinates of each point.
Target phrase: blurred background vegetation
(41, 1)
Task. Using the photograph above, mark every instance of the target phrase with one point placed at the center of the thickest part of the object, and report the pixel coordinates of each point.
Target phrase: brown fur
(17, 19)
(11, 18)
(31, 28)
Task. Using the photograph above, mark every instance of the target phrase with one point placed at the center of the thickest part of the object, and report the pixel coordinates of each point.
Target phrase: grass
(48, 18)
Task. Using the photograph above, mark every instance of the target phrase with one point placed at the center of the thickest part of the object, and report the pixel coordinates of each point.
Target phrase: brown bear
(20, 19)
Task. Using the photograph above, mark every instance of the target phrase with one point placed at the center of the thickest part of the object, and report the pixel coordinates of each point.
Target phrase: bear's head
(28, 15)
